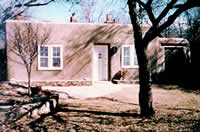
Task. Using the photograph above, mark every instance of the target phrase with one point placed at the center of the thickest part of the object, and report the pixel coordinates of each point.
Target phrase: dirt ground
(176, 110)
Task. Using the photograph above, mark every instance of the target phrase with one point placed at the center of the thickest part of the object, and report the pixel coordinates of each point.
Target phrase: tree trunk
(29, 83)
(145, 93)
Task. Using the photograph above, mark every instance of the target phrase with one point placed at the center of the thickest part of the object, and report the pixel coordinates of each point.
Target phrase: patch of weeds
(194, 103)
(125, 123)
(35, 99)
(105, 121)
(76, 127)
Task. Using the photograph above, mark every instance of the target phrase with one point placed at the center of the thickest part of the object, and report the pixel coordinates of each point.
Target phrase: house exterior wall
(157, 58)
(78, 42)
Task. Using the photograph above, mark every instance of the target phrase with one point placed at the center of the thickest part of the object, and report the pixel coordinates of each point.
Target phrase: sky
(52, 12)
(61, 12)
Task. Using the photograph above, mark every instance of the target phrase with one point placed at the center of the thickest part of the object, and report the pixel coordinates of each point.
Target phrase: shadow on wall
(80, 56)
(3, 65)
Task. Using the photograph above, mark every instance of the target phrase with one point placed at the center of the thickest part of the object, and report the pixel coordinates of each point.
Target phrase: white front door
(100, 62)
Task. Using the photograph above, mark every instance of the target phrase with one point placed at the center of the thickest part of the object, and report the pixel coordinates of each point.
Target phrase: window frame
(133, 55)
(44, 56)
(50, 57)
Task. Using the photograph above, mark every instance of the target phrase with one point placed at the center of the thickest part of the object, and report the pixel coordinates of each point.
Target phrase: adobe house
(170, 61)
(82, 53)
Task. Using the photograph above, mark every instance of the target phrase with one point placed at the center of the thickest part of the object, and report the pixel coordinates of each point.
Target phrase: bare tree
(25, 42)
(188, 26)
(159, 22)
(193, 25)
(9, 9)
(169, 10)
(94, 11)
(192, 33)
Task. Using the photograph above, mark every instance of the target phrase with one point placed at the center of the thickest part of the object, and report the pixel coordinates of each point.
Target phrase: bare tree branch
(149, 2)
(165, 11)
(194, 2)
(31, 3)
(180, 10)
(141, 43)
(149, 11)
(25, 41)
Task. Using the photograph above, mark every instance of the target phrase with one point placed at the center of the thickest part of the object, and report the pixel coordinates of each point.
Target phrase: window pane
(126, 51)
(43, 51)
(100, 56)
(126, 61)
(56, 62)
(43, 62)
(56, 51)
(126, 56)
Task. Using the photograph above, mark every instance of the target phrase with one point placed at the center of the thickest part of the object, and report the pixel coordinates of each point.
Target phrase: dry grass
(176, 110)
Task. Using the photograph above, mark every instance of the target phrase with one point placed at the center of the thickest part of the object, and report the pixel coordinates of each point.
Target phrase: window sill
(130, 67)
(50, 69)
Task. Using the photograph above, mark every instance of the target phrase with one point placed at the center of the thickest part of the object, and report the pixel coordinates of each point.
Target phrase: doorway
(100, 69)
(175, 64)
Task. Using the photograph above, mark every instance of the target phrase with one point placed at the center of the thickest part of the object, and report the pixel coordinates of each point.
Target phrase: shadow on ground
(178, 87)
(103, 114)
(67, 117)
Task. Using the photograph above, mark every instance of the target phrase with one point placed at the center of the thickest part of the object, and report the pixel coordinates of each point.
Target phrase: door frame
(109, 60)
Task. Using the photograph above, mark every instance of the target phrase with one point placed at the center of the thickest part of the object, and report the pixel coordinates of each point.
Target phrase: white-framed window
(129, 57)
(50, 57)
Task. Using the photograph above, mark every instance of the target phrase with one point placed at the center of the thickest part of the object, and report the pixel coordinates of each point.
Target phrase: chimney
(116, 21)
(73, 18)
(108, 18)
(110, 21)
(19, 17)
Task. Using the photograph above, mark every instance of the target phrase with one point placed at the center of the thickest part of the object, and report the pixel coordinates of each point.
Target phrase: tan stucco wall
(157, 55)
(78, 41)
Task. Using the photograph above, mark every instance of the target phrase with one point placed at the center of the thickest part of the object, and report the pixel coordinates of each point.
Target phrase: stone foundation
(127, 81)
(55, 83)
(47, 103)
